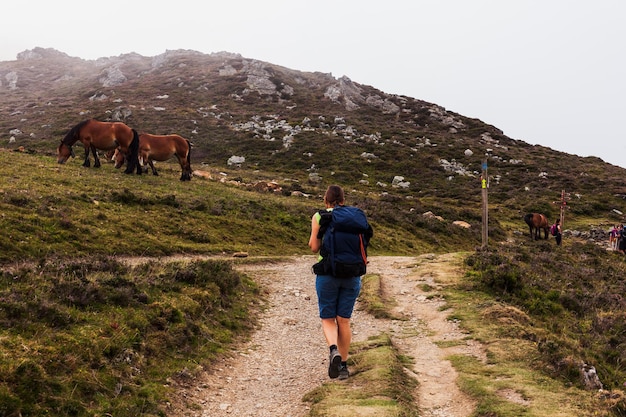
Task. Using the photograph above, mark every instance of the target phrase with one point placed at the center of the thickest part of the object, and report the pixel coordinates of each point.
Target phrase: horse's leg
(187, 159)
(154, 171)
(96, 159)
(187, 171)
(140, 169)
(144, 164)
(185, 168)
(87, 163)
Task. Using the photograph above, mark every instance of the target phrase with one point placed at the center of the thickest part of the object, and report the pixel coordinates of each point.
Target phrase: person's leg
(328, 293)
(329, 327)
(348, 294)
(344, 337)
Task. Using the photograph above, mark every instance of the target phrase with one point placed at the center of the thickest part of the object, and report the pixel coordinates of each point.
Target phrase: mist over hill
(304, 130)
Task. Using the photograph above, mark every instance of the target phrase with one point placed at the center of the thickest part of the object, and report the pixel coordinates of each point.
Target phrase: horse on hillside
(161, 148)
(536, 222)
(105, 136)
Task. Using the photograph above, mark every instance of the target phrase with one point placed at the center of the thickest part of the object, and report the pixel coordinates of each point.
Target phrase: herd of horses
(125, 146)
(536, 223)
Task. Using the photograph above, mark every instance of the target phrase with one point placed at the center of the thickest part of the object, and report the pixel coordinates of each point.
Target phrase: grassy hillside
(307, 130)
(94, 336)
(558, 310)
(51, 210)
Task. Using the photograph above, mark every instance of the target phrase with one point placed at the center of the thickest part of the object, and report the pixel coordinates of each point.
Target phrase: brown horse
(161, 148)
(106, 136)
(536, 222)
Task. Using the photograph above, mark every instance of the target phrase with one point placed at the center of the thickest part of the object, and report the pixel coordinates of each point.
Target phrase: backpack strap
(325, 219)
(363, 252)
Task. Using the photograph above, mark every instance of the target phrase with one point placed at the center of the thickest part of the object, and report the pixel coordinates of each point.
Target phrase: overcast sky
(548, 72)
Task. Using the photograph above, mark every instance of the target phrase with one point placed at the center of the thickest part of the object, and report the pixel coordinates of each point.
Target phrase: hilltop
(257, 121)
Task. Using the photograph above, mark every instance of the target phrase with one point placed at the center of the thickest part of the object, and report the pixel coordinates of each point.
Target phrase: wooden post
(484, 184)
(563, 206)
(563, 203)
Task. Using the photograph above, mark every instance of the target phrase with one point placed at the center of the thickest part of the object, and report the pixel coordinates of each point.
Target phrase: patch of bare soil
(287, 356)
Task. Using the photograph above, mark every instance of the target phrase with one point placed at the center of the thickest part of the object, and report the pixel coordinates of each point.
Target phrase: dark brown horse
(106, 136)
(536, 222)
(161, 148)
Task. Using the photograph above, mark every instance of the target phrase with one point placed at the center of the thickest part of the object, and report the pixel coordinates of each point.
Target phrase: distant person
(338, 284)
(613, 237)
(621, 244)
(559, 235)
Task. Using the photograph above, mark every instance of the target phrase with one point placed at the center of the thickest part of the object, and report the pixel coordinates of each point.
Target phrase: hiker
(621, 240)
(336, 296)
(558, 235)
(613, 237)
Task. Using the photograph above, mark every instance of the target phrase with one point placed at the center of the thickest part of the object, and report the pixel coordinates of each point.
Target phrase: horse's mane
(72, 135)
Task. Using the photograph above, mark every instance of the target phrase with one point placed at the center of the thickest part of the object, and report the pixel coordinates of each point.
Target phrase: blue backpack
(345, 234)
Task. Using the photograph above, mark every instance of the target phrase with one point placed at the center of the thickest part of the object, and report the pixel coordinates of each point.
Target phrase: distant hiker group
(617, 238)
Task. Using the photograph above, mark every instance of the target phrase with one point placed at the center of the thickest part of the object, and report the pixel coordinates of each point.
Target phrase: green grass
(542, 311)
(377, 386)
(98, 337)
(68, 210)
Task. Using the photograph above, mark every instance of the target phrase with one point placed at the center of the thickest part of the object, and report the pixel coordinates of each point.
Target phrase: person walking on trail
(621, 240)
(558, 236)
(613, 237)
(338, 284)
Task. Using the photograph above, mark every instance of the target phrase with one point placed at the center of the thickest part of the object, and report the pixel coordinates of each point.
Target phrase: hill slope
(303, 130)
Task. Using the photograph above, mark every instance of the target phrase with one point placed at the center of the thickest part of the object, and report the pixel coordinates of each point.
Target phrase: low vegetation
(550, 313)
(98, 337)
(378, 385)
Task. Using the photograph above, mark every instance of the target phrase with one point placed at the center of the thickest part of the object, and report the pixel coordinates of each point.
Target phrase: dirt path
(287, 356)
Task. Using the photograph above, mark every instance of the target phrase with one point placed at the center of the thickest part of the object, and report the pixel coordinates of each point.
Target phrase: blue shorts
(336, 296)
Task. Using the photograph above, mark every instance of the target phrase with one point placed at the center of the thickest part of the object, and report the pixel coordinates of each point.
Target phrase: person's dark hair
(334, 195)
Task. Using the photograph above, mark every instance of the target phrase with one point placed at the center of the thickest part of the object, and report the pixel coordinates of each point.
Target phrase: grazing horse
(161, 148)
(536, 222)
(106, 136)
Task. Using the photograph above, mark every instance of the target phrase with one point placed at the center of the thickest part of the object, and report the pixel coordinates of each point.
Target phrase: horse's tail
(134, 145)
(133, 155)
(134, 150)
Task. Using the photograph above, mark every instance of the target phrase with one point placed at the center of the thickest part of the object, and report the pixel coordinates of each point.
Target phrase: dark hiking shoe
(334, 361)
(343, 372)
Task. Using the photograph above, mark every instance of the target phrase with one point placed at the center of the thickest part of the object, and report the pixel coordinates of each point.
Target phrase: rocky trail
(286, 356)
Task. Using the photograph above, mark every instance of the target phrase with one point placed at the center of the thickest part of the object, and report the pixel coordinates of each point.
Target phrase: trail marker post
(563, 205)
(484, 185)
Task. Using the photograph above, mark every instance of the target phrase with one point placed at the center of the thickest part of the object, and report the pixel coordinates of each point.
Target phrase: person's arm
(314, 243)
